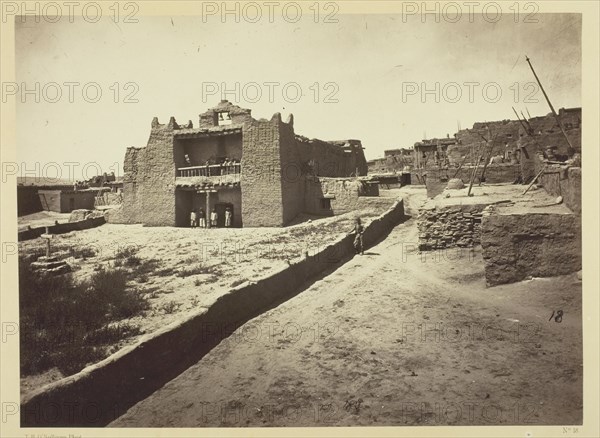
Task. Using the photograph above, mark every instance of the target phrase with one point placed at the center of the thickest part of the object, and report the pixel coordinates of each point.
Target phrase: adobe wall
(520, 245)
(134, 372)
(33, 233)
(292, 177)
(470, 140)
(50, 200)
(329, 158)
(262, 204)
(566, 183)
(437, 179)
(60, 200)
(390, 163)
(82, 199)
(28, 200)
(149, 179)
(238, 115)
(344, 194)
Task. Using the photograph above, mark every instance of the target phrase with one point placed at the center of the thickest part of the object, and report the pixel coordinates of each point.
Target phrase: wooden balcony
(209, 171)
(212, 175)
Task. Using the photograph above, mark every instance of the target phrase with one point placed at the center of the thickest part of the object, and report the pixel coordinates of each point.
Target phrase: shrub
(132, 260)
(169, 307)
(63, 323)
(126, 252)
(165, 272)
(198, 269)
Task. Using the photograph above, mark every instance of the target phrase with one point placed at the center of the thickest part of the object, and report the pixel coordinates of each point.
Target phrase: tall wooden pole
(527, 131)
(207, 215)
(475, 170)
(570, 150)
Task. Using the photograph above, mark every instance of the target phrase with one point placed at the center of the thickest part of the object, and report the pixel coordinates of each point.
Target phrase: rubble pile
(51, 265)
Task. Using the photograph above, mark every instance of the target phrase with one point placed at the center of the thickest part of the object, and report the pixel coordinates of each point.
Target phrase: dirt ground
(193, 267)
(394, 337)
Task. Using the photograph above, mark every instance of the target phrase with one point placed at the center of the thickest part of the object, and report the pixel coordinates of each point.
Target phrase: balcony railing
(210, 170)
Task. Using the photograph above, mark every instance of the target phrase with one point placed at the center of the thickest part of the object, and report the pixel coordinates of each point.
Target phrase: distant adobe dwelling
(260, 169)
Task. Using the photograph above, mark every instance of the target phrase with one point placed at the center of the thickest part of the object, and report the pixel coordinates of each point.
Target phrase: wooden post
(460, 166)
(207, 209)
(475, 171)
(487, 158)
(535, 179)
(47, 236)
(571, 151)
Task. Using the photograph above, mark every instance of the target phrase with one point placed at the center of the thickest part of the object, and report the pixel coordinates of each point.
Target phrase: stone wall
(520, 245)
(450, 226)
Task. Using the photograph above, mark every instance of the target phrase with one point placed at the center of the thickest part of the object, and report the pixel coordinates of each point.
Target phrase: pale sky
(370, 58)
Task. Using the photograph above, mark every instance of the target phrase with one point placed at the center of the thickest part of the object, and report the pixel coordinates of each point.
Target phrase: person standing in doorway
(228, 216)
(193, 219)
(201, 219)
(213, 217)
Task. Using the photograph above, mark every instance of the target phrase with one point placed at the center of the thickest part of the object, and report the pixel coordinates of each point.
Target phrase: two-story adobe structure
(260, 169)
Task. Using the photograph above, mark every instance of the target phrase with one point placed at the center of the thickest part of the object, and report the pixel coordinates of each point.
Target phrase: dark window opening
(325, 204)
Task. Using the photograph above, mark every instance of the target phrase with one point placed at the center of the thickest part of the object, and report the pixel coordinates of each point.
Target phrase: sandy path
(391, 338)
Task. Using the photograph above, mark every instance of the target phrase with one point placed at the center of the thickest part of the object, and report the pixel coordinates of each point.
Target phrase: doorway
(221, 207)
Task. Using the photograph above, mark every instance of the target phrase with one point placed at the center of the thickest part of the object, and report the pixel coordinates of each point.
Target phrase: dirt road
(391, 338)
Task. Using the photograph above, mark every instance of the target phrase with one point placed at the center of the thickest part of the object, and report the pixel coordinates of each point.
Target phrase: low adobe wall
(33, 233)
(102, 392)
(519, 245)
(344, 194)
(566, 183)
(437, 179)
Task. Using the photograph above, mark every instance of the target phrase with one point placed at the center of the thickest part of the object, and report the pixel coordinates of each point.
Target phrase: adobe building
(393, 161)
(260, 169)
(432, 152)
(540, 132)
(66, 200)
